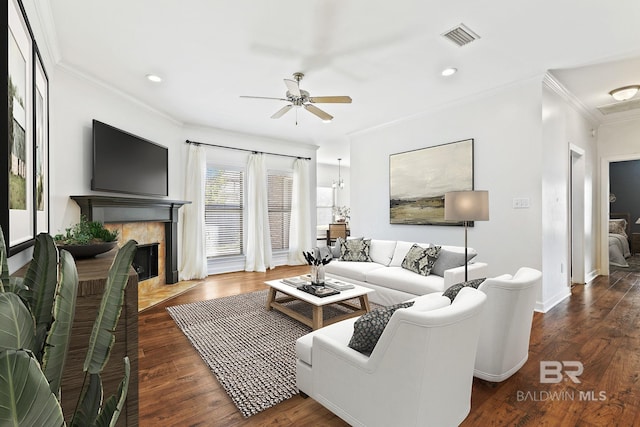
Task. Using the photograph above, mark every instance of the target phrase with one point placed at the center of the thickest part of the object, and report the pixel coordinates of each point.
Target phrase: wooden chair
(336, 230)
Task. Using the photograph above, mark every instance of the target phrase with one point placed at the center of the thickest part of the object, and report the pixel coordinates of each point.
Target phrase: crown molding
(550, 81)
(45, 18)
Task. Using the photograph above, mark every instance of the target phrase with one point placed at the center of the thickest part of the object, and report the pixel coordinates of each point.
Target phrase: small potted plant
(87, 239)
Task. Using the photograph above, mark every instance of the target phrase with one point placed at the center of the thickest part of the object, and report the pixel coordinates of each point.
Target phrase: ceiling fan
(301, 98)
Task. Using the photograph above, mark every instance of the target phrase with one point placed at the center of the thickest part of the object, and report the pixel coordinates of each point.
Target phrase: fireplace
(145, 261)
(126, 211)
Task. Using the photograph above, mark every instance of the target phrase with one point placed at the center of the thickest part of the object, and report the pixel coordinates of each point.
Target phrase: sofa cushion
(368, 328)
(452, 291)
(451, 259)
(355, 250)
(401, 250)
(340, 331)
(420, 260)
(403, 280)
(352, 269)
(382, 251)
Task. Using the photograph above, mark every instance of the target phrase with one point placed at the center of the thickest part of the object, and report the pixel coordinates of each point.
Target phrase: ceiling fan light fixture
(624, 93)
(449, 71)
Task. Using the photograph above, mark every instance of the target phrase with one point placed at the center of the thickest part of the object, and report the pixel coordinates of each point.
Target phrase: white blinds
(279, 201)
(223, 211)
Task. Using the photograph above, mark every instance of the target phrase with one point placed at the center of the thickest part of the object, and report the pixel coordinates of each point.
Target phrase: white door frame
(576, 214)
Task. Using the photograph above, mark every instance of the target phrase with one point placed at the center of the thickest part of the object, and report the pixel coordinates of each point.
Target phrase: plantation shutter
(280, 186)
(223, 211)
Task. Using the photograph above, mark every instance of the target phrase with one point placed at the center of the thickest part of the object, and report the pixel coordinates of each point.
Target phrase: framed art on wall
(41, 146)
(24, 209)
(419, 179)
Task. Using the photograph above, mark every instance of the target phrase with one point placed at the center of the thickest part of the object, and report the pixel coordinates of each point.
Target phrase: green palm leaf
(25, 397)
(55, 352)
(17, 327)
(112, 408)
(102, 336)
(42, 279)
(90, 400)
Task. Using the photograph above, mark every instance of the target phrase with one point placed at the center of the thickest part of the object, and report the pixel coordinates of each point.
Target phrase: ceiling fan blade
(330, 99)
(263, 97)
(293, 87)
(281, 111)
(318, 112)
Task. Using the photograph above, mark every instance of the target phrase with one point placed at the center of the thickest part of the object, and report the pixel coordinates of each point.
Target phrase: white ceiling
(386, 55)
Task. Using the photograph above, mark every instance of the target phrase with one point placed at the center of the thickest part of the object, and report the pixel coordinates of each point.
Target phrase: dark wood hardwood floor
(598, 326)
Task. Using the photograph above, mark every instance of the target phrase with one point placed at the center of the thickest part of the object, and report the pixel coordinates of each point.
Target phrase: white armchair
(420, 373)
(506, 324)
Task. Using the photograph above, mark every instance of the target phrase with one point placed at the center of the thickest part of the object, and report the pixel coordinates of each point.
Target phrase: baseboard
(592, 275)
(547, 305)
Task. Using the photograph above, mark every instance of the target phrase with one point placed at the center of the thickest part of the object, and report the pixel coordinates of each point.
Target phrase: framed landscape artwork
(24, 209)
(419, 179)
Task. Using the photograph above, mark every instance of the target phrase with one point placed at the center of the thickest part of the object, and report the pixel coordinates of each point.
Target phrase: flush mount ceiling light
(449, 71)
(624, 93)
(154, 78)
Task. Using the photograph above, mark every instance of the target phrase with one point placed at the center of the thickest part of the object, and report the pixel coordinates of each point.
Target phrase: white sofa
(420, 372)
(394, 284)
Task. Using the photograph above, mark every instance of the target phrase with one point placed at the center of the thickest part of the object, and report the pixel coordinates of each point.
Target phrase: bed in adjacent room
(619, 231)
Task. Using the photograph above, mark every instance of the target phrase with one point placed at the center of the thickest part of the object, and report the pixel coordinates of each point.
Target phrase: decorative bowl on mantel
(89, 250)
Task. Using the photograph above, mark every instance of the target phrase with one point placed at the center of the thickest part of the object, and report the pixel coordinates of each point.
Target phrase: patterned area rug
(250, 350)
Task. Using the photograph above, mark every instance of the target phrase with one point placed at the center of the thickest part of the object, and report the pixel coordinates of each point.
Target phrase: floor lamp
(466, 206)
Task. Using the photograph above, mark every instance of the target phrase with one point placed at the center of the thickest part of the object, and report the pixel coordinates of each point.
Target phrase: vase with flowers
(317, 267)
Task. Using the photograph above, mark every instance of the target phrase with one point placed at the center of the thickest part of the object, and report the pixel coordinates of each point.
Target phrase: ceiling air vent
(620, 107)
(461, 35)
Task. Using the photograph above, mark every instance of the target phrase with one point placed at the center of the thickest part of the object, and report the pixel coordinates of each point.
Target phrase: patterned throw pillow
(420, 260)
(355, 250)
(452, 292)
(617, 226)
(369, 327)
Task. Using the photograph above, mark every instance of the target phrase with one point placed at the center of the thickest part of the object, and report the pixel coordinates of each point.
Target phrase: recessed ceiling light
(449, 71)
(154, 78)
(624, 93)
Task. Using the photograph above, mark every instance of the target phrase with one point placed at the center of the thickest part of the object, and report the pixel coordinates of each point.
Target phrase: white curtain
(258, 252)
(194, 258)
(300, 224)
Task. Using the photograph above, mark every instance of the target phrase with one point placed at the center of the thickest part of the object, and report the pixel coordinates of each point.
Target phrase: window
(280, 187)
(324, 205)
(223, 211)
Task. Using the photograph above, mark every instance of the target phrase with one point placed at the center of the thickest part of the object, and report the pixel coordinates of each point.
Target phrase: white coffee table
(317, 321)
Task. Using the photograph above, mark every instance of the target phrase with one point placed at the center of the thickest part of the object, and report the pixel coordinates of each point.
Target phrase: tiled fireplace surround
(145, 221)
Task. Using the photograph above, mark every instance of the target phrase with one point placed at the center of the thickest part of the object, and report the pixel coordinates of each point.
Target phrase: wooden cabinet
(635, 243)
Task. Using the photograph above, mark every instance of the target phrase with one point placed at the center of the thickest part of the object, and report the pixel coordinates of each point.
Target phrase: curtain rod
(245, 149)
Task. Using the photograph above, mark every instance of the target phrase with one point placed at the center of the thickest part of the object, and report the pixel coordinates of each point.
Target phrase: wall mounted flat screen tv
(125, 163)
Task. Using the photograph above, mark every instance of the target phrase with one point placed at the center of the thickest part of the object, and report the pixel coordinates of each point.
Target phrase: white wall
(563, 125)
(327, 174)
(505, 125)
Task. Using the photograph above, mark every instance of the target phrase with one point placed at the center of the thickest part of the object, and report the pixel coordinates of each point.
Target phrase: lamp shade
(638, 221)
(466, 206)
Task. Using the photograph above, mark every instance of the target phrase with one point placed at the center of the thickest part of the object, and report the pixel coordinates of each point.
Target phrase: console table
(92, 275)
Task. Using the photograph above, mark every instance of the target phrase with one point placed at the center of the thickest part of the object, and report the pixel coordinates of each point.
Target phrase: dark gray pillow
(369, 327)
(449, 259)
(452, 292)
(355, 250)
(420, 260)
